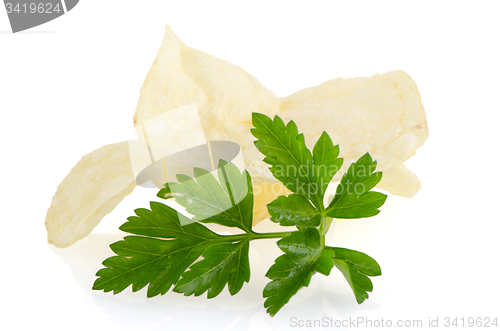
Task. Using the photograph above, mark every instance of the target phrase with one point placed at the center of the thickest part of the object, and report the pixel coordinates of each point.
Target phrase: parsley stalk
(255, 235)
(324, 226)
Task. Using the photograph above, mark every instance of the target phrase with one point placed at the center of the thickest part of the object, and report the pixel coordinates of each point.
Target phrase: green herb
(165, 247)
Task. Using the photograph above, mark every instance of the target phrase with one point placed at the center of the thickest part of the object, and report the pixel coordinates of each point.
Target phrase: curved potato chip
(92, 189)
(400, 181)
(382, 114)
(224, 94)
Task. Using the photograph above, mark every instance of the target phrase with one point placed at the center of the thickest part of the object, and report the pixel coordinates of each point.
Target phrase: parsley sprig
(169, 250)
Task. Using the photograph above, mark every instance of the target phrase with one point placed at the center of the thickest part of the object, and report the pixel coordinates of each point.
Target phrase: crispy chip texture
(224, 94)
(381, 114)
(93, 188)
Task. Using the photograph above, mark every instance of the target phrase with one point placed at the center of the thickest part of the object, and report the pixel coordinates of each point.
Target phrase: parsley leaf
(149, 258)
(353, 198)
(291, 162)
(141, 259)
(292, 210)
(228, 203)
(326, 160)
(304, 255)
(222, 263)
(356, 266)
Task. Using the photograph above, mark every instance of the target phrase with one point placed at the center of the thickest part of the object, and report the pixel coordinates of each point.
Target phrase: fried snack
(92, 189)
(224, 94)
(382, 114)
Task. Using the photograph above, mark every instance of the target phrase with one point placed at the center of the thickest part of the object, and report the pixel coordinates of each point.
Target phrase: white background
(71, 85)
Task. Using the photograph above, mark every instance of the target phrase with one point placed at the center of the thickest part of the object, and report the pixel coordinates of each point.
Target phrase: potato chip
(92, 189)
(224, 94)
(382, 114)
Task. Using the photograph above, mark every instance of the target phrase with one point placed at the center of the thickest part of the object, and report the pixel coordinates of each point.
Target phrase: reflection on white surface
(325, 297)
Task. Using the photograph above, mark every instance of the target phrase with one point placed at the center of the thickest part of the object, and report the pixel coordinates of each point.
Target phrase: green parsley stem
(271, 235)
(325, 224)
(255, 235)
